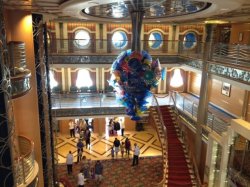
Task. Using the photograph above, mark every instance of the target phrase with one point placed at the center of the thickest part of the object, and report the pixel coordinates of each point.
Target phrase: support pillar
(136, 18)
(6, 162)
(203, 101)
(44, 105)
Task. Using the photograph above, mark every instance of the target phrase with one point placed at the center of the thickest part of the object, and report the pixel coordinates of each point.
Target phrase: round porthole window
(190, 40)
(155, 40)
(82, 39)
(119, 39)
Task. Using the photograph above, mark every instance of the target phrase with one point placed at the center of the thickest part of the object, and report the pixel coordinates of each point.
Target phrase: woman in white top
(80, 179)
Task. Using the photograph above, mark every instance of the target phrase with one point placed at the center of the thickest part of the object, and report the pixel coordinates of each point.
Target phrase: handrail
(83, 100)
(24, 163)
(162, 140)
(234, 53)
(190, 154)
(212, 120)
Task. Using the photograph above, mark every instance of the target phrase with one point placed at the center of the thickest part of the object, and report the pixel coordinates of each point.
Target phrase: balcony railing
(83, 100)
(190, 108)
(25, 162)
(234, 53)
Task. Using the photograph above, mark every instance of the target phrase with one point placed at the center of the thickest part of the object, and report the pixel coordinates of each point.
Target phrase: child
(122, 147)
(112, 152)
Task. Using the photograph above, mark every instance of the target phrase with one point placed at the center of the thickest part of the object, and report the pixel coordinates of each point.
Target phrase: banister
(24, 164)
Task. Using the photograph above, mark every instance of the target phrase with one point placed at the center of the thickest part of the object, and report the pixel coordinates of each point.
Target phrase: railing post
(238, 53)
(213, 123)
(183, 104)
(23, 171)
(192, 110)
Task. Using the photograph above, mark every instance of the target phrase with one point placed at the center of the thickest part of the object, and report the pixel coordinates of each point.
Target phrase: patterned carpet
(120, 173)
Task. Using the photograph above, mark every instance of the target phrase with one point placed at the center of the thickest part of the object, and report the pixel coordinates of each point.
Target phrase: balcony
(217, 120)
(26, 168)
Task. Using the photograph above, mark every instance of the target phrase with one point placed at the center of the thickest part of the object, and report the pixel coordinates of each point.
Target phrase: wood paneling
(111, 27)
(248, 110)
(89, 26)
(199, 28)
(232, 104)
(236, 29)
(149, 27)
(194, 83)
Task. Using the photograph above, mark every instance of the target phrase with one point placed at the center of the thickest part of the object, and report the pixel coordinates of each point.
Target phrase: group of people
(118, 146)
(115, 125)
(121, 146)
(87, 171)
(80, 130)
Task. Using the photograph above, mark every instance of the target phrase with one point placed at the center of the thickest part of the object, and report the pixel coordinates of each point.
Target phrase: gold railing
(190, 154)
(24, 163)
(162, 133)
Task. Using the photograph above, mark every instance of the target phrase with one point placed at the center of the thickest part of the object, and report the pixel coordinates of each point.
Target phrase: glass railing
(106, 47)
(25, 162)
(190, 108)
(83, 100)
(234, 53)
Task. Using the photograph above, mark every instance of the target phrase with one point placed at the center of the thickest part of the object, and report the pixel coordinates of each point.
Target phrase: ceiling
(164, 11)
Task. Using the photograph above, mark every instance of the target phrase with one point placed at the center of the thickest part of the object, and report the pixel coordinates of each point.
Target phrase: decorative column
(136, 19)
(203, 101)
(6, 128)
(44, 105)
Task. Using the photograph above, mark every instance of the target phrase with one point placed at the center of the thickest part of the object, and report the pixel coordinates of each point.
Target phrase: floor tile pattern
(100, 148)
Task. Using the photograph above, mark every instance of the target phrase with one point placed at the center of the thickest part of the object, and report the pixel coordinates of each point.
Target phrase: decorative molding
(107, 59)
(230, 72)
(99, 111)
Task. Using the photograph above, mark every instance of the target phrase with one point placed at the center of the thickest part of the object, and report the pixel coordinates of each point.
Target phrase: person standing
(98, 171)
(116, 146)
(127, 146)
(122, 148)
(80, 179)
(122, 127)
(69, 162)
(79, 147)
(87, 138)
(136, 155)
(112, 153)
(71, 128)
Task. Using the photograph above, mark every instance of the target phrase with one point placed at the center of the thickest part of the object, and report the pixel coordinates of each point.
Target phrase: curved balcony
(20, 84)
(26, 168)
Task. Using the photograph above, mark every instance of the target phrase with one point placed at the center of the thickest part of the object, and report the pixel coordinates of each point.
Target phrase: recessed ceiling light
(224, 9)
(93, 3)
(216, 22)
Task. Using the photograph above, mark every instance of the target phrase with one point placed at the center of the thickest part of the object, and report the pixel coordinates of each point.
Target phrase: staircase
(179, 170)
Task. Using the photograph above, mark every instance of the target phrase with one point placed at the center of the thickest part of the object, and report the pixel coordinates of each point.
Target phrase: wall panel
(232, 104)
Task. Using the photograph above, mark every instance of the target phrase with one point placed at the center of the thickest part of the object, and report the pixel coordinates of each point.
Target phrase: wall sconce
(176, 80)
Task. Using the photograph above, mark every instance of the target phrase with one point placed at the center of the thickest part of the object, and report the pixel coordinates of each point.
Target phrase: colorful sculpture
(133, 74)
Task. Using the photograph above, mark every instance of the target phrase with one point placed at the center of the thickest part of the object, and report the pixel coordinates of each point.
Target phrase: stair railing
(172, 95)
(163, 140)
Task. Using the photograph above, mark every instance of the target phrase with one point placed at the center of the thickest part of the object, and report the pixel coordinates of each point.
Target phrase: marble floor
(100, 148)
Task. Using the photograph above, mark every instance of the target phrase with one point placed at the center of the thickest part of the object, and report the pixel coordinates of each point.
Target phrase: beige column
(25, 108)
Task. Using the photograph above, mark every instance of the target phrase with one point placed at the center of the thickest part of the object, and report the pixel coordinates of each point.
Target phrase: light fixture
(177, 80)
(216, 22)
